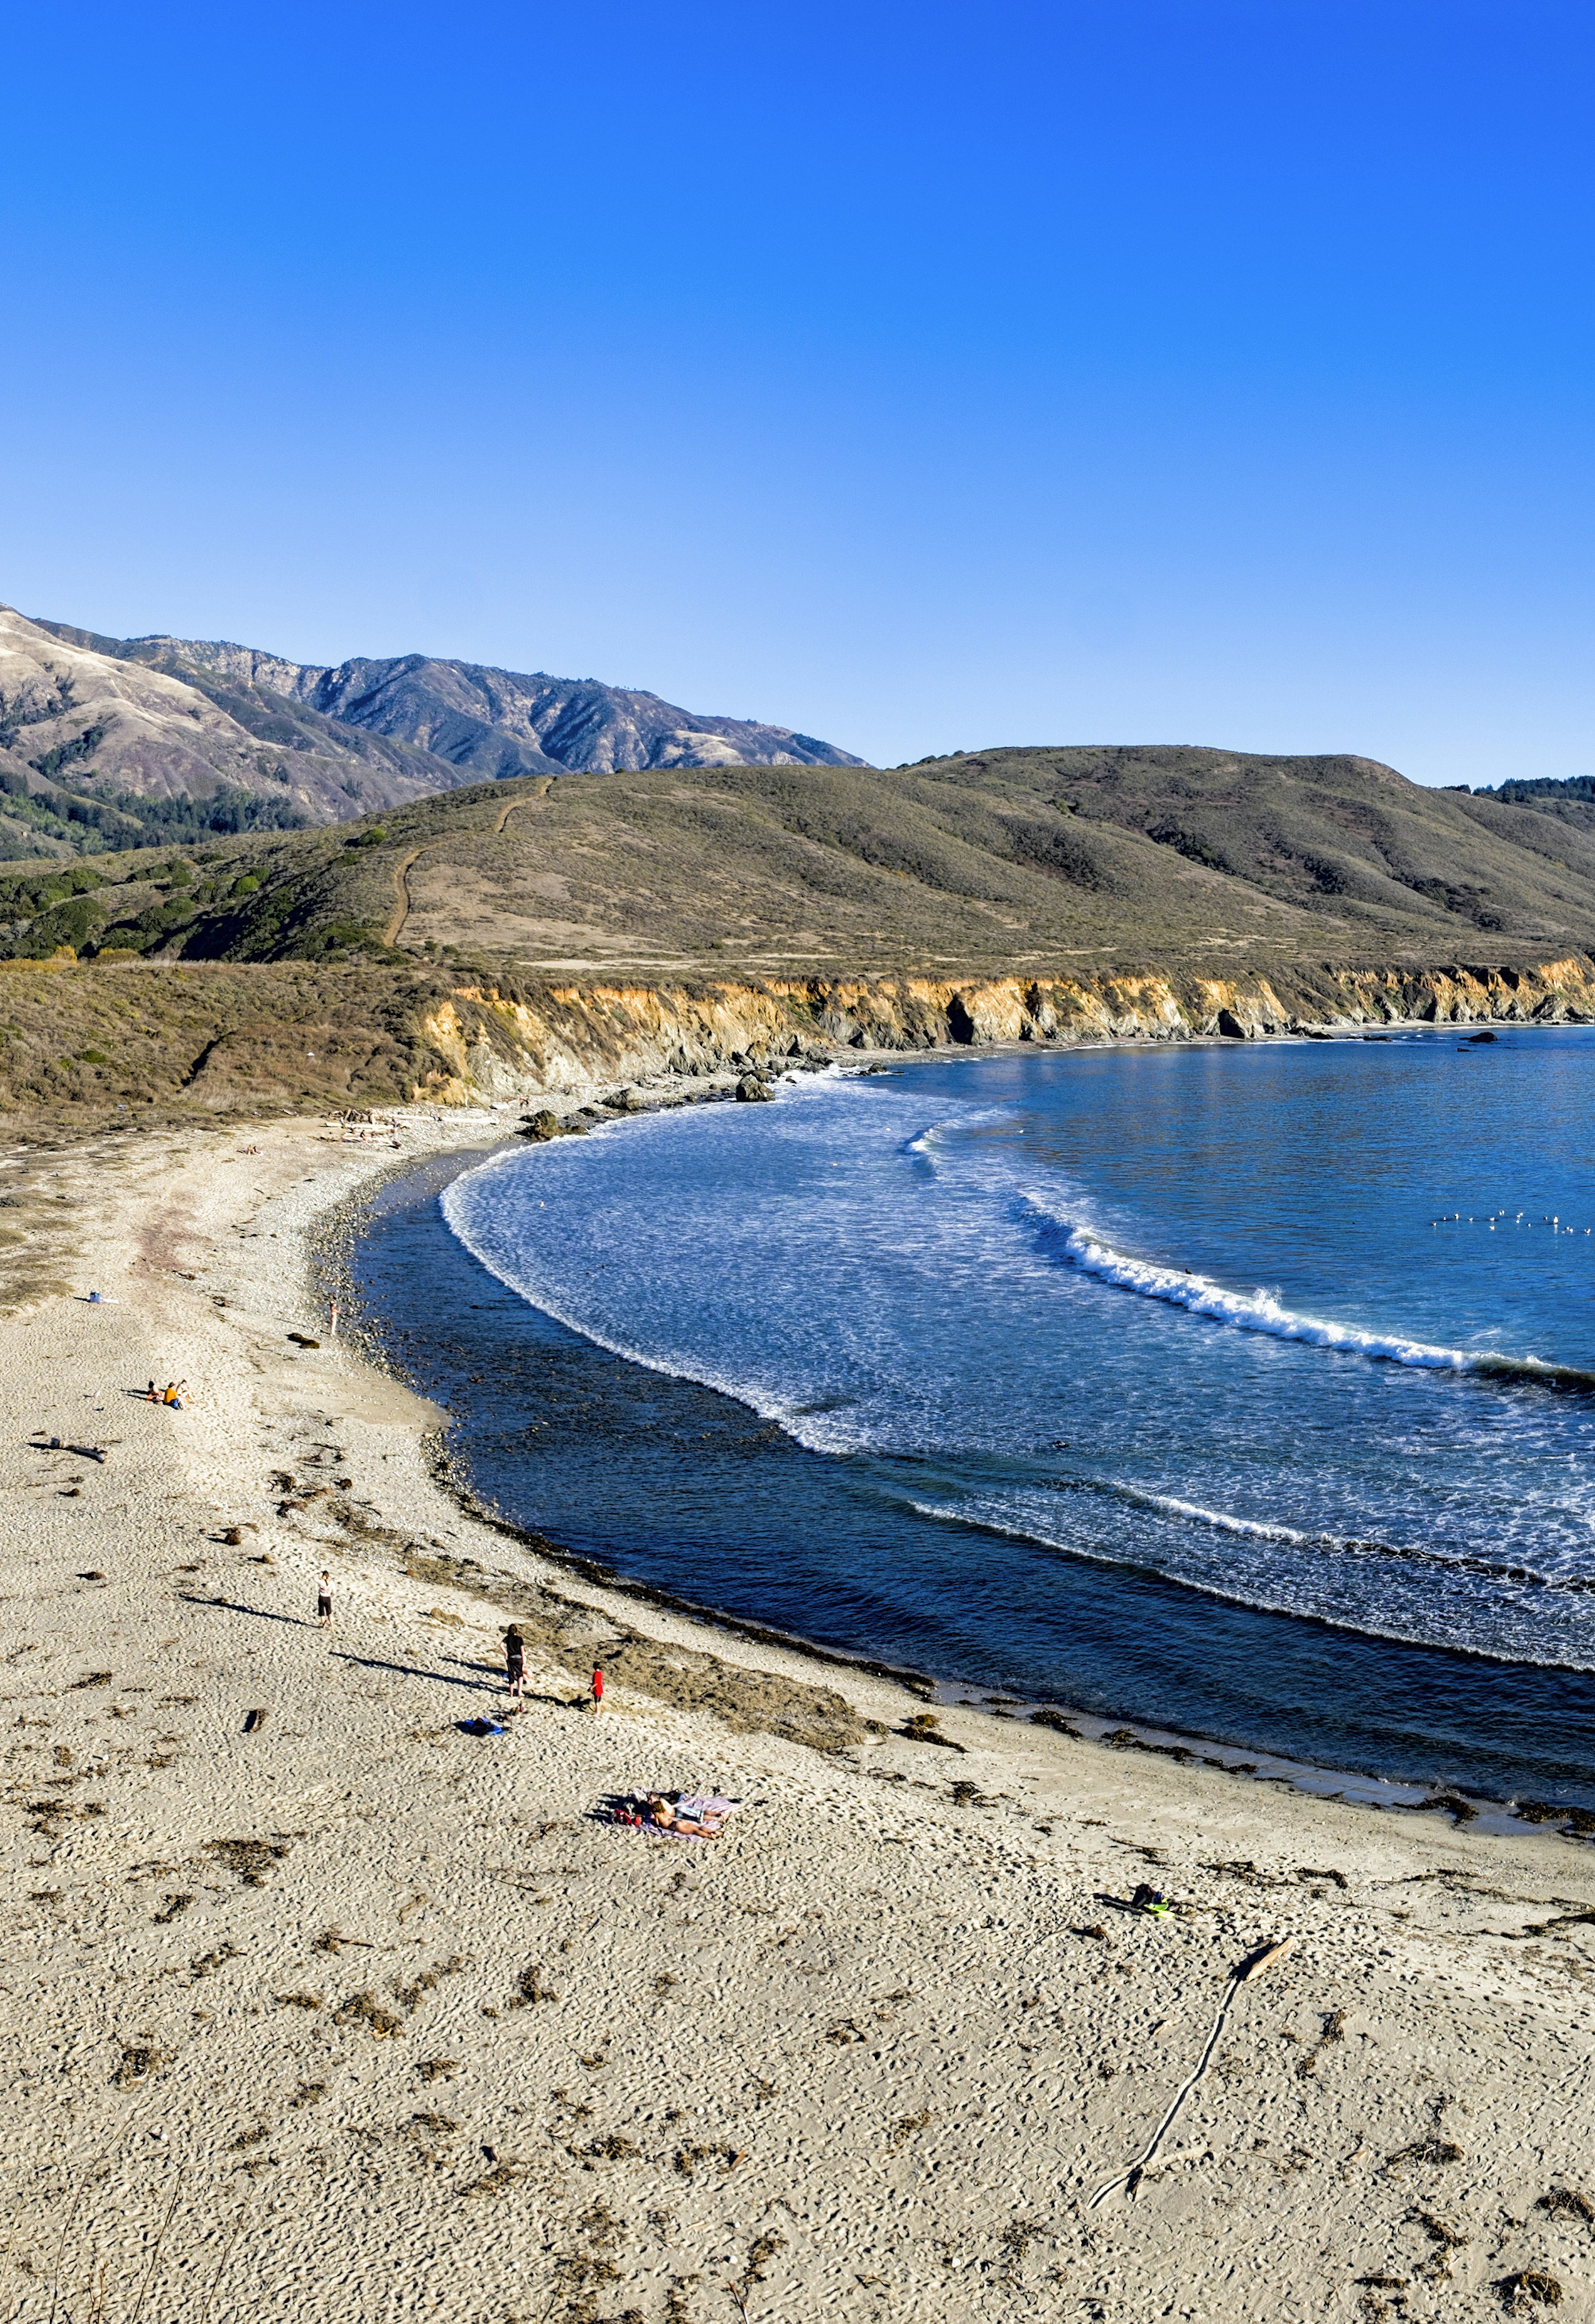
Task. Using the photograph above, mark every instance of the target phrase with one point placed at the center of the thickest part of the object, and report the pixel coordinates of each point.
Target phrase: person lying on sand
(664, 1811)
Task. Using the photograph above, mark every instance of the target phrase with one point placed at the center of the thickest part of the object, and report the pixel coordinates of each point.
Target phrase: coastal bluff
(502, 1045)
(128, 1041)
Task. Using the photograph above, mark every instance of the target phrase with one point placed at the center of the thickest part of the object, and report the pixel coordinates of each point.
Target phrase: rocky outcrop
(576, 1040)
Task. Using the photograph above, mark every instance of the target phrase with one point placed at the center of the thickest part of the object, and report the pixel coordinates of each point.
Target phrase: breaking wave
(1339, 1544)
(1259, 1311)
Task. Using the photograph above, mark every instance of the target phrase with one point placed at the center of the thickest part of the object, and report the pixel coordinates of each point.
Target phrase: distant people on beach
(515, 1662)
(364, 1127)
(152, 1395)
(324, 1603)
(175, 1392)
(597, 1690)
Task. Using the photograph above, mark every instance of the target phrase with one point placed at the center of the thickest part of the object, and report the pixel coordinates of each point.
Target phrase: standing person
(515, 1661)
(324, 1603)
(597, 1690)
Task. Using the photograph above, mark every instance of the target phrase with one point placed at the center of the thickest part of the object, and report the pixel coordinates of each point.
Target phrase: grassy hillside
(1035, 860)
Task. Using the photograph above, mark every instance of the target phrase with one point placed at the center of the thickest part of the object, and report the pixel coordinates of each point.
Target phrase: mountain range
(110, 743)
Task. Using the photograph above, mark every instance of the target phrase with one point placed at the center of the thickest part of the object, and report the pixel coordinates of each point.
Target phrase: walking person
(598, 1691)
(324, 1603)
(515, 1662)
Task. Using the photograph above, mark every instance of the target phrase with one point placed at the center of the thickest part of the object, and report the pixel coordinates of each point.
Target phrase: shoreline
(316, 2001)
(1514, 1813)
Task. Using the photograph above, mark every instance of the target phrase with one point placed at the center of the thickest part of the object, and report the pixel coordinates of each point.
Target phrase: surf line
(1259, 1311)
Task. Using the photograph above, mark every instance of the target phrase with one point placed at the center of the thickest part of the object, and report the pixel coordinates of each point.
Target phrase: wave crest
(1260, 1310)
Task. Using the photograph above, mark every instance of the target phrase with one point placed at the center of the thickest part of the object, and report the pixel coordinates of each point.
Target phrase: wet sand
(359, 2016)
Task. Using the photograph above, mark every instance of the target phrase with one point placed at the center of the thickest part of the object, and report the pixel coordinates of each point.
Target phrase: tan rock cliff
(573, 1039)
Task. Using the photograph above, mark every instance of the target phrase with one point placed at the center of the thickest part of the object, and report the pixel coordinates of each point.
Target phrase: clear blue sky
(918, 376)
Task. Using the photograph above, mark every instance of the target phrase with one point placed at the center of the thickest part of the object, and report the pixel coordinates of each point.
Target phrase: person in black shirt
(515, 1661)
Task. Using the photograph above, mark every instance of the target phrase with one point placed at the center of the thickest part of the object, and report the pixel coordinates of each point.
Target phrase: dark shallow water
(913, 1366)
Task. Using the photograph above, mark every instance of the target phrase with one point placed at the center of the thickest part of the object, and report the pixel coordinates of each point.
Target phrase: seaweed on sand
(747, 1702)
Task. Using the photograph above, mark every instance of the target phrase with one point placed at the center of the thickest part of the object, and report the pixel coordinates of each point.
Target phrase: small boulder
(539, 1126)
(752, 1091)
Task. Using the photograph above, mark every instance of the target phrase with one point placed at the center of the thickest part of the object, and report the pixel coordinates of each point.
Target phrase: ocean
(1245, 1391)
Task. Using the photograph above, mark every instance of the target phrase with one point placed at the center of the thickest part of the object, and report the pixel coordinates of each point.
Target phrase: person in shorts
(324, 1603)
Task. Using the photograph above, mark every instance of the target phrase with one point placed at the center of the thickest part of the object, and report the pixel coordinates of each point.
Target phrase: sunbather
(665, 1809)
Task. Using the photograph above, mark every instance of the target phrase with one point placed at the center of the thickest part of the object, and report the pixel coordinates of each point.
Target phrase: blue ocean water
(1247, 1390)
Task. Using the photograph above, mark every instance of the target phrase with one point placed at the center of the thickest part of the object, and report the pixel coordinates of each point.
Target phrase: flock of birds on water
(1493, 1218)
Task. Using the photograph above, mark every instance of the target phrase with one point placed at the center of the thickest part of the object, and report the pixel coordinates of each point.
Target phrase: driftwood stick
(1249, 1967)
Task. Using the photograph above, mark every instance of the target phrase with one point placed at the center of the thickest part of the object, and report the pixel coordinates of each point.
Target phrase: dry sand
(358, 2017)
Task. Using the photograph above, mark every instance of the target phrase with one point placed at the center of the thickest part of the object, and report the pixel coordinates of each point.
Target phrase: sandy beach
(340, 2011)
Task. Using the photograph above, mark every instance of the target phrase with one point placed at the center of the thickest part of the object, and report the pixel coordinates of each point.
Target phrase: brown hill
(1029, 859)
(537, 933)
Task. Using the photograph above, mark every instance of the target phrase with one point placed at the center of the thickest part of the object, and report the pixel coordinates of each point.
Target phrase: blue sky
(922, 377)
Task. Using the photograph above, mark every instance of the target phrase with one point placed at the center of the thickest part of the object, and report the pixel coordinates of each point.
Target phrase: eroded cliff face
(574, 1039)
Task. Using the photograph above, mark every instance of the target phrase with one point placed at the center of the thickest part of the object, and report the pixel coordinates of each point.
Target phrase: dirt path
(401, 896)
(542, 793)
(403, 902)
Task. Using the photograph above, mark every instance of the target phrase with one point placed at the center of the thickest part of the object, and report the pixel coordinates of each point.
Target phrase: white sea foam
(1260, 1310)
(1453, 1561)
(823, 1424)
(1254, 1527)
(1289, 1588)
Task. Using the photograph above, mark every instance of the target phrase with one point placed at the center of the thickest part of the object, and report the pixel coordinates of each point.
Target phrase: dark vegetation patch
(1433, 2151)
(139, 2059)
(1529, 2288)
(251, 1859)
(925, 1727)
(366, 2009)
(748, 1702)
